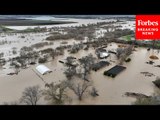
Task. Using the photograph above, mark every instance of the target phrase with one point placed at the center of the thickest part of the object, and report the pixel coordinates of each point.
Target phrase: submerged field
(110, 90)
(30, 22)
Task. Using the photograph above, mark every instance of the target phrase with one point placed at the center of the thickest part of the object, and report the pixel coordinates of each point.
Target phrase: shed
(43, 69)
(114, 71)
(100, 65)
(104, 55)
(99, 50)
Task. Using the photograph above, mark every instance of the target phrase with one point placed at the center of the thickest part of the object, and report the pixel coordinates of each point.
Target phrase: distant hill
(65, 16)
(94, 16)
(30, 22)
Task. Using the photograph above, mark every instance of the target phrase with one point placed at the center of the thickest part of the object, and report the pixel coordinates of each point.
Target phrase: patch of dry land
(74, 81)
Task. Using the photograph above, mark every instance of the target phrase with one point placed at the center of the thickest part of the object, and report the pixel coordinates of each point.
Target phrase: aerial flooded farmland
(76, 60)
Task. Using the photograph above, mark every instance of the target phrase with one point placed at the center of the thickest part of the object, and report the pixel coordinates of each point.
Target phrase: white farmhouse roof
(43, 69)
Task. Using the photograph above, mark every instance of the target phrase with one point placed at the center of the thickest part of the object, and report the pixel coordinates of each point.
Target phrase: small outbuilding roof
(43, 69)
(104, 54)
(100, 65)
(114, 70)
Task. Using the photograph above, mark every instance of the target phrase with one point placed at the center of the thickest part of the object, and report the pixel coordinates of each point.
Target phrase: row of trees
(82, 69)
(118, 33)
(29, 56)
(54, 94)
(31, 30)
(57, 93)
(77, 33)
(3, 42)
(41, 44)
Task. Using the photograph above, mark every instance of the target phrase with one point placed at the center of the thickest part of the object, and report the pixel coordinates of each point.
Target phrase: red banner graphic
(147, 27)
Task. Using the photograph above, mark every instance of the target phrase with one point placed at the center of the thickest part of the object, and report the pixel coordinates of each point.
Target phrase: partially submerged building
(99, 50)
(42, 69)
(112, 51)
(100, 65)
(102, 53)
(114, 71)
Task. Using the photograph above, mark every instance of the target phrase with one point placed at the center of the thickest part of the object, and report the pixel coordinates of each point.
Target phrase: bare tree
(14, 50)
(28, 54)
(53, 54)
(122, 58)
(123, 53)
(24, 51)
(69, 61)
(94, 92)
(70, 73)
(86, 64)
(128, 50)
(31, 95)
(1, 55)
(80, 88)
(71, 68)
(119, 52)
(2, 61)
(56, 94)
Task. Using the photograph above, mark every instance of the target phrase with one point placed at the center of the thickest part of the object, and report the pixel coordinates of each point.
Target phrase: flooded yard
(111, 90)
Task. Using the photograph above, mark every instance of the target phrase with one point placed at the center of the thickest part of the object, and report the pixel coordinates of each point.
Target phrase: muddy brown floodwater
(111, 90)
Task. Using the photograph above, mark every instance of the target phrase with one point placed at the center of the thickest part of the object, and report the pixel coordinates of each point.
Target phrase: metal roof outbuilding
(43, 69)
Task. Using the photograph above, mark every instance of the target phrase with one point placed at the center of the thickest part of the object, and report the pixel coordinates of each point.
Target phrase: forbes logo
(147, 23)
(147, 27)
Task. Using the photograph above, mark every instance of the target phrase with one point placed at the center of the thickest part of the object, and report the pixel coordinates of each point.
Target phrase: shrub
(128, 60)
(42, 60)
(157, 82)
